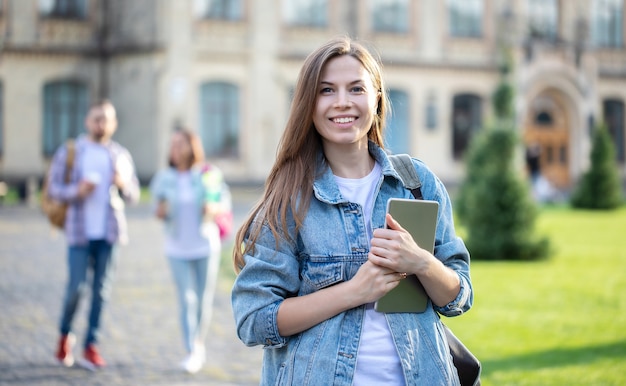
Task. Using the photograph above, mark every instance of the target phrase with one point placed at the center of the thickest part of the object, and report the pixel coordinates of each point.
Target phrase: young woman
(315, 254)
(187, 204)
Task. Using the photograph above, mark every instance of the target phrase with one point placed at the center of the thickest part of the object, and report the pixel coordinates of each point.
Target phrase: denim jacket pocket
(320, 272)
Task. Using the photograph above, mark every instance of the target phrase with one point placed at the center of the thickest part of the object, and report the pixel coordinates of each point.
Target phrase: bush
(494, 202)
(600, 187)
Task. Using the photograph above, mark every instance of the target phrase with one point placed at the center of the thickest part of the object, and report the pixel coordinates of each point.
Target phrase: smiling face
(346, 103)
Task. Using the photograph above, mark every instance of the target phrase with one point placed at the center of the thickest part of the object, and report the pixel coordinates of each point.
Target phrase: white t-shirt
(187, 241)
(378, 362)
(97, 168)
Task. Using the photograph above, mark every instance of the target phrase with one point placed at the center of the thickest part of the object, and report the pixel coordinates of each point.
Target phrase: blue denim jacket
(330, 247)
(164, 186)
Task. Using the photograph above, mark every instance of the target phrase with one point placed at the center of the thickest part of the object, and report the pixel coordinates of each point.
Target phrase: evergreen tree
(494, 203)
(600, 187)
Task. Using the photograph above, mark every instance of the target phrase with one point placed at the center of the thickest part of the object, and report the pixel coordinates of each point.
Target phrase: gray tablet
(419, 218)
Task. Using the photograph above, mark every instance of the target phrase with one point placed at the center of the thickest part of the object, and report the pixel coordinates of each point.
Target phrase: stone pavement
(141, 336)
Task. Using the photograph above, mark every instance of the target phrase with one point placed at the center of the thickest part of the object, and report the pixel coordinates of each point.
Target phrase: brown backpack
(56, 210)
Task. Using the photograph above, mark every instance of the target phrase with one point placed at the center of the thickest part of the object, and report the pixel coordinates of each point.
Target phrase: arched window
(397, 136)
(466, 121)
(544, 118)
(614, 119)
(219, 119)
(65, 104)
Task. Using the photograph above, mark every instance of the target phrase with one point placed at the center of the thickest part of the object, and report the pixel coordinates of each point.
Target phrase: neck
(350, 164)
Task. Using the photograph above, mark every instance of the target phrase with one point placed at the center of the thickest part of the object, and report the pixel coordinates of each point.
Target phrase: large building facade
(227, 68)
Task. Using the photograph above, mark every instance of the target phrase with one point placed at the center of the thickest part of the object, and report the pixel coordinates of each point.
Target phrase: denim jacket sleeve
(156, 189)
(163, 187)
(270, 275)
(449, 248)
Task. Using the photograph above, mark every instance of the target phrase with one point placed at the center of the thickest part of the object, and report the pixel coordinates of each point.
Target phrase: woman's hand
(395, 249)
(372, 282)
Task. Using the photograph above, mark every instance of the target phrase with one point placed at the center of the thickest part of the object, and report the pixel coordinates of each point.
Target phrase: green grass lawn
(557, 322)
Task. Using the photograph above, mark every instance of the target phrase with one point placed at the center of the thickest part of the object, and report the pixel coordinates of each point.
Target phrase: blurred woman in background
(187, 198)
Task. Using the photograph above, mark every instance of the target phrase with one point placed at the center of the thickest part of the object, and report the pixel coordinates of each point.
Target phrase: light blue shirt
(331, 246)
(165, 186)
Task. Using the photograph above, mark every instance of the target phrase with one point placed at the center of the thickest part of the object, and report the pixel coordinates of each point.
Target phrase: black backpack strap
(403, 164)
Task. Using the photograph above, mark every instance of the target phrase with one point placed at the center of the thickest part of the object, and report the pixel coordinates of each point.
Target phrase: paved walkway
(142, 341)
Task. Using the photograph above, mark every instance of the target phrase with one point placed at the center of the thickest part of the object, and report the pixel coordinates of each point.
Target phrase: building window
(466, 121)
(614, 119)
(219, 119)
(390, 15)
(305, 13)
(218, 9)
(543, 19)
(64, 107)
(63, 9)
(397, 127)
(607, 23)
(465, 18)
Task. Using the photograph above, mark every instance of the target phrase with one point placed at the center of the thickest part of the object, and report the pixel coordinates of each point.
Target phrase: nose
(343, 99)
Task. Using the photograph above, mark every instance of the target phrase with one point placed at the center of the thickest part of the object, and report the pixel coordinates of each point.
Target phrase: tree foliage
(503, 100)
(600, 186)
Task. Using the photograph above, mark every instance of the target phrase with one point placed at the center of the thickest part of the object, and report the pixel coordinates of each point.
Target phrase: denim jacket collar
(325, 187)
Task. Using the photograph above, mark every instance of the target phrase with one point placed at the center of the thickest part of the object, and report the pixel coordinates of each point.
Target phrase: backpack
(53, 209)
(218, 191)
(467, 365)
(404, 166)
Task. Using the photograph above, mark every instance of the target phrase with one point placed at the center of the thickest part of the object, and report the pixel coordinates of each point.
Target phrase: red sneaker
(64, 352)
(91, 358)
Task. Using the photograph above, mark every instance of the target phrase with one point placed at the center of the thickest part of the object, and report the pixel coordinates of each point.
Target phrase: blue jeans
(195, 285)
(98, 255)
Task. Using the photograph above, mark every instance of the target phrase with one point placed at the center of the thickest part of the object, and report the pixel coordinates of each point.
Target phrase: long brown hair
(289, 185)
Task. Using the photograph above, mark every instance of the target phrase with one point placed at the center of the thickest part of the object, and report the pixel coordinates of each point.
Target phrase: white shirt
(378, 362)
(97, 168)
